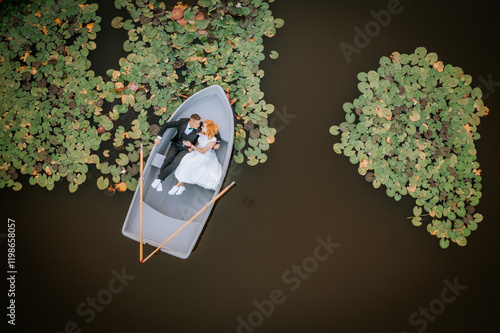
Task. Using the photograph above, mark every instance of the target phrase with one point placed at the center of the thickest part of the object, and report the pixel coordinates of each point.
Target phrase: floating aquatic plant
(413, 129)
(59, 118)
(47, 92)
(175, 52)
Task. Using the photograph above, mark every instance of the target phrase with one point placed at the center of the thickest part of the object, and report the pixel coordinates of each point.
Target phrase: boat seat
(158, 160)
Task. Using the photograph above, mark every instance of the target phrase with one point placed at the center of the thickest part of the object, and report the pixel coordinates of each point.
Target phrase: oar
(195, 216)
(141, 178)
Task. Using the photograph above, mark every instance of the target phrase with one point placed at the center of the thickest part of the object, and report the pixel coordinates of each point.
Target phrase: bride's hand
(187, 143)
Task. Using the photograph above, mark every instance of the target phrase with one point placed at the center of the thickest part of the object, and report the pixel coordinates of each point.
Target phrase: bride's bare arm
(203, 150)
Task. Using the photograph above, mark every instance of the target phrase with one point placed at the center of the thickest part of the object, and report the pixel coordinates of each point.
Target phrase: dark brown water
(260, 266)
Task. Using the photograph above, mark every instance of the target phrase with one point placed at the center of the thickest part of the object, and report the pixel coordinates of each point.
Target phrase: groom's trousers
(172, 160)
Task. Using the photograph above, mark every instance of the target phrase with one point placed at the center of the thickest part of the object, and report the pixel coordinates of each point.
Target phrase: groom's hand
(217, 146)
(157, 141)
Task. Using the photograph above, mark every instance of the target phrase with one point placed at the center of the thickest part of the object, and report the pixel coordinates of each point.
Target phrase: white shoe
(181, 190)
(155, 183)
(173, 190)
(159, 188)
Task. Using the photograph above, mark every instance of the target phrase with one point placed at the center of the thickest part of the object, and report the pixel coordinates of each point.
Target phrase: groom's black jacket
(181, 126)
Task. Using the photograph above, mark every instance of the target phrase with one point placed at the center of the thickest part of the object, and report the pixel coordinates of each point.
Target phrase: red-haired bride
(200, 166)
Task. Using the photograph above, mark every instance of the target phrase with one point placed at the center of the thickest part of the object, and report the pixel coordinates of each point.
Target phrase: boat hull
(164, 214)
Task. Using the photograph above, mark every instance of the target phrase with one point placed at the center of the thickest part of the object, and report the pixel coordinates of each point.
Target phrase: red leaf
(177, 14)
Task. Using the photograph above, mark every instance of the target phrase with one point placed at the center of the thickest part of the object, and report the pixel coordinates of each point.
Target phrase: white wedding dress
(200, 169)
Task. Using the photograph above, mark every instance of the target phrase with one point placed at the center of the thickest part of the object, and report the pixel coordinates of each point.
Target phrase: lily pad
(102, 183)
(117, 22)
(444, 243)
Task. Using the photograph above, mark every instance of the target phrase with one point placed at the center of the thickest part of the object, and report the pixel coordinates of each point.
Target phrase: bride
(200, 166)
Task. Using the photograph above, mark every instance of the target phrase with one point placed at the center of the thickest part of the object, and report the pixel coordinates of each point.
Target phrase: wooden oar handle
(141, 180)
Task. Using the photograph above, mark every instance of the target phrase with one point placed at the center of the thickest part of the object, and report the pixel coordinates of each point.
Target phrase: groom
(187, 130)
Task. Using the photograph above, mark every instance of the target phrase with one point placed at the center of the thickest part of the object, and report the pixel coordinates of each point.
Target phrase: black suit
(181, 126)
(177, 149)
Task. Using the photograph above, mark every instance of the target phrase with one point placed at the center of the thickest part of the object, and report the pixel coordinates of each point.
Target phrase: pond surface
(302, 243)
